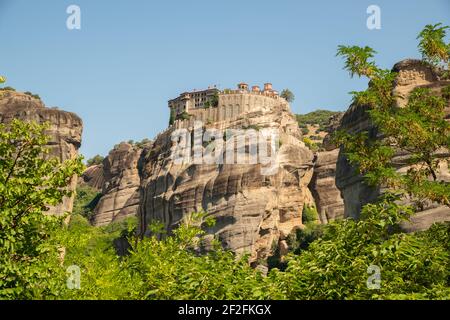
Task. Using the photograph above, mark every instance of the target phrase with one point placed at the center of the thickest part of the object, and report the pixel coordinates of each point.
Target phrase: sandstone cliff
(93, 176)
(411, 74)
(65, 129)
(253, 211)
(327, 196)
(118, 177)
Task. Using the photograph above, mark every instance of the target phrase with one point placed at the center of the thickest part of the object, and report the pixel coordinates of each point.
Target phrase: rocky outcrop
(93, 176)
(327, 196)
(120, 179)
(253, 210)
(64, 131)
(411, 74)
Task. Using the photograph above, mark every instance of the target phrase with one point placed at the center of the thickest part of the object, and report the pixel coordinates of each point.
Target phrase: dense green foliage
(30, 181)
(183, 116)
(334, 261)
(309, 214)
(311, 144)
(86, 198)
(336, 265)
(432, 46)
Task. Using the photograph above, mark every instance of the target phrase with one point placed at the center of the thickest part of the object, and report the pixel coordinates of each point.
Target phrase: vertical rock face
(327, 196)
(411, 74)
(93, 176)
(253, 211)
(65, 130)
(120, 181)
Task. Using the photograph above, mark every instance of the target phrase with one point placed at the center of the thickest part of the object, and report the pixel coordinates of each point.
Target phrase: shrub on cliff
(36, 96)
(96, 160)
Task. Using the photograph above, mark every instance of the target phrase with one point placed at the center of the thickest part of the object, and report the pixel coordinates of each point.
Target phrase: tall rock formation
(411, 74)
(65, 130)
(254, 212)
(119, 178)
(327, 196)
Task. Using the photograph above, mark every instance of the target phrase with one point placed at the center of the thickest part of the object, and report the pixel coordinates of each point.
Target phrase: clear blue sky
(130, 57)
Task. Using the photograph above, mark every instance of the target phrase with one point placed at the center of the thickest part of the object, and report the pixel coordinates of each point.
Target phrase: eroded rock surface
(93, 176)
(253, 211)
(327, 196)
(120, 179)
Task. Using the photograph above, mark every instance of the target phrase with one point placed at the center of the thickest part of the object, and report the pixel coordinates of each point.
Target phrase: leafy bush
(183, 116)
(309, 214)
(36, 96)
(335, 266)
(310, 144)
(144, 142)
(96, 160)
(86, 199)
(301, 239)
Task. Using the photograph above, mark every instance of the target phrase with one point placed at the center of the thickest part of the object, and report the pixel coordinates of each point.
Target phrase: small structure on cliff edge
(212, 105)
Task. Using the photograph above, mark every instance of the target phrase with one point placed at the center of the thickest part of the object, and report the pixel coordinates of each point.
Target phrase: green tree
(96, 160)
(412, 266)
(30, 181)
(432, 45)
(288, 95)
(419, 129)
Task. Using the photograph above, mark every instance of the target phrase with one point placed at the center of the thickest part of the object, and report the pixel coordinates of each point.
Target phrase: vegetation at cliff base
(368, 258)
(31, 181)
(86, 198)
